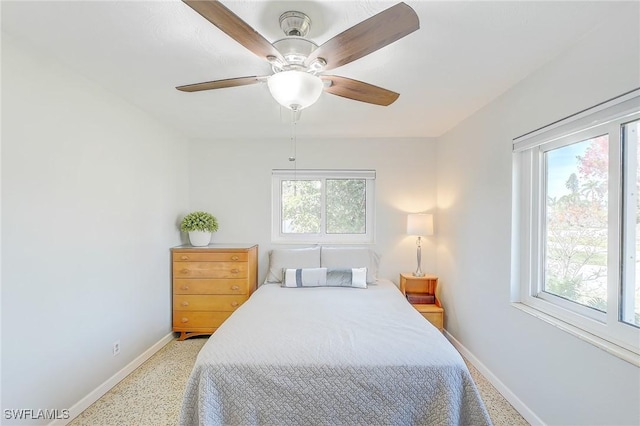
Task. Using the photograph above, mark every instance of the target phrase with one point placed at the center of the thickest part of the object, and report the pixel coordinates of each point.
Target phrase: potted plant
(200, 225)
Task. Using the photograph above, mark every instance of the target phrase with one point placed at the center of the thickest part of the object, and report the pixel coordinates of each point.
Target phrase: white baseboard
(105, 387)
(524, 411)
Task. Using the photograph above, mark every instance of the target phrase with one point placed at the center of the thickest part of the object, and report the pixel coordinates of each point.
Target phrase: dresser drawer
(210, 286)
(186, 320)
(210, 269)
(183, 302)
(210, 257)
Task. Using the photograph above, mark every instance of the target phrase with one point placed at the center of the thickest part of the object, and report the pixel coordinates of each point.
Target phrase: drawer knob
(184, 258)
(185, 303)
(234, 258)
(185, 287)
(235, 271)
(234, 303)
(184, 320)
(235, 287)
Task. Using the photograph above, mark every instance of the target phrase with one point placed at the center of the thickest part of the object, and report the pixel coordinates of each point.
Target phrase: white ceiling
(465, 54)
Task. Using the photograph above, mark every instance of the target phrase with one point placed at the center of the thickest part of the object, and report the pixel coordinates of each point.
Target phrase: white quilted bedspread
(330, 356)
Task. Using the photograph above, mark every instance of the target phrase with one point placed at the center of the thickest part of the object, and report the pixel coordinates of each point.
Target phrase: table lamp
(421, 225)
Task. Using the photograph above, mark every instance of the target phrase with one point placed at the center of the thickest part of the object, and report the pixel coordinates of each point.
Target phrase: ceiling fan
(299, 64)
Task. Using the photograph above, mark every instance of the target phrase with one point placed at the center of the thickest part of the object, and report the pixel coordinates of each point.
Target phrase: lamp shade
(295, 89)
(420, 224)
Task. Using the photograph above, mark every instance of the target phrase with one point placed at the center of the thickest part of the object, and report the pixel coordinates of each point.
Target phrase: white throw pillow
(351, 257)
(323, 277)
(359, 278)
(305, 277)
(279, 259)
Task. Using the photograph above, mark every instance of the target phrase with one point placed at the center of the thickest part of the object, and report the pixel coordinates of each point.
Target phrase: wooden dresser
(209, 283)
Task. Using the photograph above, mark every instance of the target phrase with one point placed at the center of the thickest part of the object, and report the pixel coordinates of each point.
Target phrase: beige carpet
(152, 394)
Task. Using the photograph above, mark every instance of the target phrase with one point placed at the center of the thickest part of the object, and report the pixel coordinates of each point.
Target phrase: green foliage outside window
(345, 206)
(301, 208)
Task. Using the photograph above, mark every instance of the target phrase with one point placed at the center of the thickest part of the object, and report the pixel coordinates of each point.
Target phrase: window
(311, 206)
(576, 219)
(631, 221)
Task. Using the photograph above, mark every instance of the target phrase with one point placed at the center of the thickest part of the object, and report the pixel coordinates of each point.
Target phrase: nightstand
(434, 313)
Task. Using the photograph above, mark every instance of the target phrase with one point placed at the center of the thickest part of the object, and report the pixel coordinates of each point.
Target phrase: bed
(330, 356)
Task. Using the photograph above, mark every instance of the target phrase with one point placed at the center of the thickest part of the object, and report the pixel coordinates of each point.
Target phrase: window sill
(605, 345)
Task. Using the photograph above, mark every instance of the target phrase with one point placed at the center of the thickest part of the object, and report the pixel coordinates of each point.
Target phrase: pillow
(324, 277)
(279, 259)
(354, 277)
(351, 257)
(308, 277)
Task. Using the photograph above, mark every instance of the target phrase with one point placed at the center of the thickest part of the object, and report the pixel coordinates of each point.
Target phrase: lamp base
(418, 272)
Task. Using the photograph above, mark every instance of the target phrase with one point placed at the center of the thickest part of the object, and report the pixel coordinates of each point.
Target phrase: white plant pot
(199, 238)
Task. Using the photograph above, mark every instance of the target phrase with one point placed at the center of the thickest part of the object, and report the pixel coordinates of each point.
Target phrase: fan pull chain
(292, 157)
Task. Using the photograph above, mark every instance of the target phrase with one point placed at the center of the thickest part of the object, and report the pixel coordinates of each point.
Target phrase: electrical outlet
(116, 347)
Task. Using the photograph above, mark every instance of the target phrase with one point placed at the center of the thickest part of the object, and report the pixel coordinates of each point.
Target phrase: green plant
(199, 221)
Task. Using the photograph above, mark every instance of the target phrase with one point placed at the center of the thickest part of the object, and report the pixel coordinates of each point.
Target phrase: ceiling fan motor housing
(295, 50)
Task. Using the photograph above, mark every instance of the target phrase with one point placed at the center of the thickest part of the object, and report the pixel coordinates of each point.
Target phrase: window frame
(629, 239)
(605, 330)
(279, 175)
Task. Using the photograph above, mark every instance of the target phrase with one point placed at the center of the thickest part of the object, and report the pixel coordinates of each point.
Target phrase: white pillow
(351, 257)
(279, 259)
(359, 277)
(323, 277)
(305, 277)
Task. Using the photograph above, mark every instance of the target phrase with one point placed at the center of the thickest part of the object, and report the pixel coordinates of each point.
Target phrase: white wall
(232, 180)
(92, 189)
(111, 183)
(562, 379)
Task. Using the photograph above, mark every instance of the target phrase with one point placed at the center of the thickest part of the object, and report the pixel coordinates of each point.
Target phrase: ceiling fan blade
(221, 84)
(367, 36)
(359, 90)
(227, 21)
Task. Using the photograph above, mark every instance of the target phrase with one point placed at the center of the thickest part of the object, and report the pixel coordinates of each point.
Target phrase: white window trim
(612, 348)
(629, 239)
(602, 330)
(277, 236)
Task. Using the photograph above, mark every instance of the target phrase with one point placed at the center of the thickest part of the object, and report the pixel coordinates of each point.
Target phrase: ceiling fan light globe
(295, 90)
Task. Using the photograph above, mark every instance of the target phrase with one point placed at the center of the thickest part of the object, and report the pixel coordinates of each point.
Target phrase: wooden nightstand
(433, 313)
(424, 285)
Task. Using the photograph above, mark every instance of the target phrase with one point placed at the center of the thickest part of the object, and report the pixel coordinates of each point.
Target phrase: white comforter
(332, 356)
